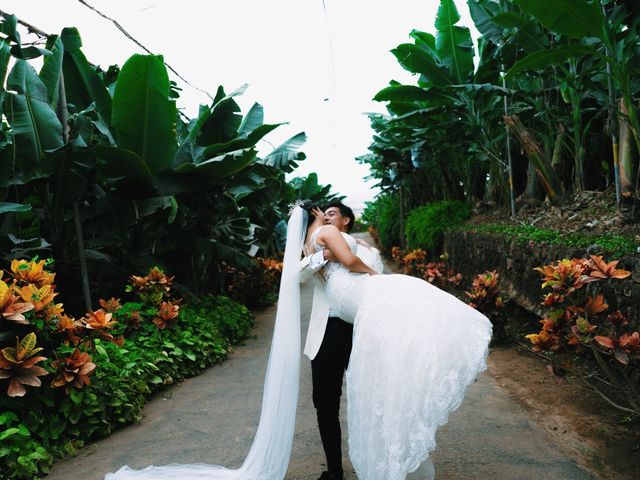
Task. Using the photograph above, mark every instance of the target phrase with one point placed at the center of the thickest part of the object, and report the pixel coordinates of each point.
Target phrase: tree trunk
(627, 155)
(537, 160)
(558, 162)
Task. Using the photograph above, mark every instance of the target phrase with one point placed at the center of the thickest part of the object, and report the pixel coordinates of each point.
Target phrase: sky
(313, 64)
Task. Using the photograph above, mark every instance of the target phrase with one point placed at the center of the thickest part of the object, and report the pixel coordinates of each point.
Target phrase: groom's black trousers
(327, 371)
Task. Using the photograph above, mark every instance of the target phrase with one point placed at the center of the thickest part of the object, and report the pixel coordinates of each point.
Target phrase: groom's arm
(370, 256)
(310, 265)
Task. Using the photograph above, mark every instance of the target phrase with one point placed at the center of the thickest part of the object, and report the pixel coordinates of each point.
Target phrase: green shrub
(383, 214)
(426, 225)
(48, 423)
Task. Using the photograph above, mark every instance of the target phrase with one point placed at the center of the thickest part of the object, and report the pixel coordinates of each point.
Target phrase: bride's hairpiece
(292, 206)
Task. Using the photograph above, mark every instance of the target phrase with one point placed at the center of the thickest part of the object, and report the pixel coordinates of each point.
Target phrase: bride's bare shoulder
(328, 230)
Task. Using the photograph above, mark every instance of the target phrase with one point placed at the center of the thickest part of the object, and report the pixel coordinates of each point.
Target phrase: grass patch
(614, 245)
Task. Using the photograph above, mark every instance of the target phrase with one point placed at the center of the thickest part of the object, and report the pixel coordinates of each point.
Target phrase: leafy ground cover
(66, 381)
(588, 219)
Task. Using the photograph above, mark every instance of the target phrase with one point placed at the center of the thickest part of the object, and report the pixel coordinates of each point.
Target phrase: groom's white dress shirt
(320, 310)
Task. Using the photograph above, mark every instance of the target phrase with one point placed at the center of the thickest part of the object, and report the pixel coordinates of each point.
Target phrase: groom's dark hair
(344, 211)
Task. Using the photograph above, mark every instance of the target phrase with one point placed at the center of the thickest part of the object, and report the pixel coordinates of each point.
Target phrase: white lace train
(415, 351)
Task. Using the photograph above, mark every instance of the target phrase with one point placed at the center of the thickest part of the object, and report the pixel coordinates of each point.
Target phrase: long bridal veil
(269, 455)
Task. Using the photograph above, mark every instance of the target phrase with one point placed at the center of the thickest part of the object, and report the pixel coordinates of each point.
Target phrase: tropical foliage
(65, 381)
(546, 106)
(100, 171)
(416, 263)
(485, 297)
(426, 225)
(584, 335)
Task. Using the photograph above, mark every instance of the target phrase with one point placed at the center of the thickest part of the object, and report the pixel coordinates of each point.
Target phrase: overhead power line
(130, 37)
(28, 26)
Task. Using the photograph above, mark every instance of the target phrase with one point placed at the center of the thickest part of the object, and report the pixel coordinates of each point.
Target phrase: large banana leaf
(35, 126)
(417, 60)
(453, 43)
(245, 141)
(221, 166)
(222, 104)
(573, 18)
(425, 41)
(51, 70)
(403, 93)
(144, 116)
(115, 164)
(252, 120)
(5, 55)
(223, 123)
(544, 58)
(6, 207)
(72, 167)
(286, 155)
(482, 12)
(530, 36)
(82, 84)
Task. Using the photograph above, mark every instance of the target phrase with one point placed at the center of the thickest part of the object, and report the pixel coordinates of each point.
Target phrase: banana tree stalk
(613, 125)
(627, 155)
(63, 115)
(512, 195)
(546, 174)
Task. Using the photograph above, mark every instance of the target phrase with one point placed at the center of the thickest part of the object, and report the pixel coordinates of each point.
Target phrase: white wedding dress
(415, 351)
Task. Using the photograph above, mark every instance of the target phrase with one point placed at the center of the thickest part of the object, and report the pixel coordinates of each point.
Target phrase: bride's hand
(329, 256)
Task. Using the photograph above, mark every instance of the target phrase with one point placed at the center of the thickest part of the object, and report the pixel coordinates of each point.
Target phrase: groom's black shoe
(330, 476)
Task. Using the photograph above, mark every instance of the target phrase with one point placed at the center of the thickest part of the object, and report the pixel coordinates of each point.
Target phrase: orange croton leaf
(167, 313)
(19, 365)
(596, 305)
(544, 341)
(54, 310)
(630, 342)
(602, 269)
(551, 299)
(26, 272)
(10, 306)
(40, 297)
(73, 371)
(72, 327)
(606, 342)
(112, 305)
(98, 320)
(618, 318)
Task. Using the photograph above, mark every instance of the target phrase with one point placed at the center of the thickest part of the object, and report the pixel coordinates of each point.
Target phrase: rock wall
(471, 253)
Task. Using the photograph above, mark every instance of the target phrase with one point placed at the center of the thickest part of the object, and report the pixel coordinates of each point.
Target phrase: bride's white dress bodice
(344, 289)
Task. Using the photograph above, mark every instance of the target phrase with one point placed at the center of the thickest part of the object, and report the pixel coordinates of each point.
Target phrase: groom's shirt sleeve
(378, 266)
(310, 265)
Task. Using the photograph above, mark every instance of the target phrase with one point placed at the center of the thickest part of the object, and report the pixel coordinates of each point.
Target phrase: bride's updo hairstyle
(308, 206)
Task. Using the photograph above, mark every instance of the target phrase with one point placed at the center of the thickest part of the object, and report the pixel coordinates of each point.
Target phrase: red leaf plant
(73, 371)
(11, 306)
(594, 342)
(19, 364)
(167, 315)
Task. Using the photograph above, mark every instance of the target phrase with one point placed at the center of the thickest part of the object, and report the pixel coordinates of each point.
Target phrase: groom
(328, 342)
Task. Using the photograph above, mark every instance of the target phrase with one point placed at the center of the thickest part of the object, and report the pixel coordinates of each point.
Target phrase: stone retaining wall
(471, 253)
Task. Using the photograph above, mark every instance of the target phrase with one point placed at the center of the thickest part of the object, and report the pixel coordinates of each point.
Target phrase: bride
(415, 350)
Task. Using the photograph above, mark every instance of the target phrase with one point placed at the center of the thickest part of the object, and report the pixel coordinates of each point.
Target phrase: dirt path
(212, 419)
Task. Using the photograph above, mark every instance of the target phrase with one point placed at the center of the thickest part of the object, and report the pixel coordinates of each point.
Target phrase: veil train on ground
(270, 452)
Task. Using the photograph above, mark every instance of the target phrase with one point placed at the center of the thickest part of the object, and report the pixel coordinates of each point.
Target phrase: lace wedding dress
(415, 351)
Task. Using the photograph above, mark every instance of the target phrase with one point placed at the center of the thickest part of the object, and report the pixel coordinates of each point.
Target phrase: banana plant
(146, 186)
(607, 41)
